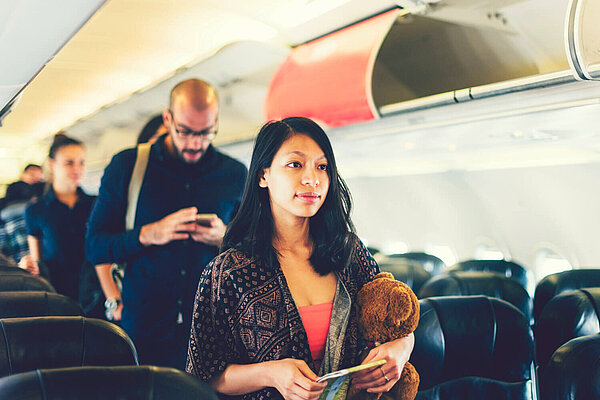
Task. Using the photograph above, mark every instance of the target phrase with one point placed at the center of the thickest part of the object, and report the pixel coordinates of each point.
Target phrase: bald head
(194, 93)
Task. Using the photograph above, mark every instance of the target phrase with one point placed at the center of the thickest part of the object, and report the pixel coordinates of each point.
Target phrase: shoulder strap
(135, 184)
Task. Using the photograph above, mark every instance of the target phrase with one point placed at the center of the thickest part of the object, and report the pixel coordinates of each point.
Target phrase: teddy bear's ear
(400, 300)
(385, 275)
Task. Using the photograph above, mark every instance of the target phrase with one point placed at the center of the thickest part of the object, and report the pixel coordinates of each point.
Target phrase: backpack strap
(135, 184)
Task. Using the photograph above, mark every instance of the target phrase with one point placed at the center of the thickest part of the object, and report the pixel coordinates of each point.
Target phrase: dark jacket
(61, 231)
(160, 281)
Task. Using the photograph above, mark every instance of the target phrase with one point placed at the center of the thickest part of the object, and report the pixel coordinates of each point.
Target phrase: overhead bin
(350, 75)
(329, 79)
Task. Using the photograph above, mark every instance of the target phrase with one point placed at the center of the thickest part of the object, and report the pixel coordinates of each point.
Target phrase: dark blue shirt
(61, 232)
(161, 281)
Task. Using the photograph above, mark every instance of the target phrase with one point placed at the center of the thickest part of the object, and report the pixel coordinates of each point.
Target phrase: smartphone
(205, 219)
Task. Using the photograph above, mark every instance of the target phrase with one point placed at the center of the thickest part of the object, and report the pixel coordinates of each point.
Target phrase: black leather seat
(10, 282)
(430, 263)
(8, 269)
(507, 268)
(90, 383)
(573, 372)
(37, 304)
(407, 271)
(473, 347)
(57, 342)
(555, 284)
(479, 283)
(568, 315)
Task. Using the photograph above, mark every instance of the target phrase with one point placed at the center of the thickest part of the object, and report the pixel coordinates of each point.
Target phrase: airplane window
(397, 247)
(443, 252)
(486, 251)
(548, 261)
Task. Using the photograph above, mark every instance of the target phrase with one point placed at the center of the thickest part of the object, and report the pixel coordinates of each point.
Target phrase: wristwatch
(111, 305)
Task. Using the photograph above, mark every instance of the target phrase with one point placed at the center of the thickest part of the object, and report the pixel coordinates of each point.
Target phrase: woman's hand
(29, 264)
(381, 379)
(295, 380)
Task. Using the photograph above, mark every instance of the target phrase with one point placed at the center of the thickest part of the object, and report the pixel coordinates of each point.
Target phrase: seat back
(89, 383)
(429, 262)
(37, 304)
(555, 284)
(407, 271)
(479, 283)
(473, 344)
(568, 315)
(507, 268)
(12, 269)
(14, 281)
(573, 372)
(27, 344)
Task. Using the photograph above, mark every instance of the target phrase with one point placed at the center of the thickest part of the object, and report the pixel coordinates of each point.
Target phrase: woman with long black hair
(275, 309)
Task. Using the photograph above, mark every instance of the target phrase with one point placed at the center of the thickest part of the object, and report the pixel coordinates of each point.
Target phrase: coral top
(316, 320)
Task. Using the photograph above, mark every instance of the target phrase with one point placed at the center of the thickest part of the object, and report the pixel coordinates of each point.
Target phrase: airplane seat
(124, 383)
(12, 269)
(566, 316)
(561, 282)
(32, 343)
(470, 283)
(432, 264)
(10, 282)
(473, 347)
(573, 372)
(407, 271)
(509, 269)
(37, 304)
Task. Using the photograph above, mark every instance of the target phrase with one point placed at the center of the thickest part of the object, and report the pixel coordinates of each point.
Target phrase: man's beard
(180, 155)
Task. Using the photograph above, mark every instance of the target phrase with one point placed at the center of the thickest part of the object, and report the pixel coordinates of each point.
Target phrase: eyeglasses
(207, 134)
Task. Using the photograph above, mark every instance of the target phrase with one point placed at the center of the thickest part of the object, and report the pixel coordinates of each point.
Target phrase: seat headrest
(566, 316)
(23, 282)
(37, 304)
(509, 269)
(407, 271)
(429, 262)
(471, 336)
(479, 283)
(562, 282)
(573, 372)
(57, 342)
(126, 383)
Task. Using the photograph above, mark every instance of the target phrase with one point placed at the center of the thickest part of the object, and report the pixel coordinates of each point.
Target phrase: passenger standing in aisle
(56, 221)
(167, 250)
(276, 308)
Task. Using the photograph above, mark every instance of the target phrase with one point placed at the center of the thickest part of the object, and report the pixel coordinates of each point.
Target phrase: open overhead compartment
(355, 74)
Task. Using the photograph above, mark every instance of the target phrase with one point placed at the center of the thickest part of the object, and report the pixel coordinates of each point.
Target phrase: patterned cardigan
(244, 313)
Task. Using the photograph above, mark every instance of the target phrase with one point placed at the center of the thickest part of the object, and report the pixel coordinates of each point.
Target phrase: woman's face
(297, 179)
(68, 165)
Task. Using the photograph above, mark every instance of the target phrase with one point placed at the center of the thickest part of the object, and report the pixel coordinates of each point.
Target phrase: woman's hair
(330, 228)
(61, 140)
(150, 129)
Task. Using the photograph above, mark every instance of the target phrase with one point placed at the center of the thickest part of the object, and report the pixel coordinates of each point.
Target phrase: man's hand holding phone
(209, 229)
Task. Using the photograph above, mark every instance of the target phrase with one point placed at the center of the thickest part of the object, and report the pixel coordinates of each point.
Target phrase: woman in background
(275, 309)
(56, 222)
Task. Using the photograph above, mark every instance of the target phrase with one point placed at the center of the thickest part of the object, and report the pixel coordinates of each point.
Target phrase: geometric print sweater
(244, 313)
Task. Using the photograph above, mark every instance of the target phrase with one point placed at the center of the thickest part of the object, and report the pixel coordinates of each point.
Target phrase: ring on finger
(383, 373)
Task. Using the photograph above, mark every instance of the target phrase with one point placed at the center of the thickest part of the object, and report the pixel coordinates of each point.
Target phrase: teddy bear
(387, 310)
